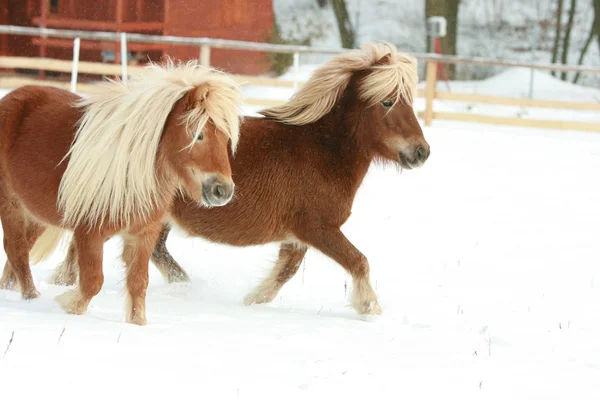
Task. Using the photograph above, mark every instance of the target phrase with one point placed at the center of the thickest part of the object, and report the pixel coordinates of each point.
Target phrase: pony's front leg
(333, 243)
(89, 248)
(137, 250)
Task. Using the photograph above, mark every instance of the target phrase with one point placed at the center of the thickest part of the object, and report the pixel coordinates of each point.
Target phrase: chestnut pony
(298, 169)
(111, 164)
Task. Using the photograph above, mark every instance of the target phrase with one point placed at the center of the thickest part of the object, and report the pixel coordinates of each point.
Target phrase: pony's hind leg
(288, 263)
(137, 249)
(66, 272)
(164, 262)
(18, 240)
(89, 247)
(333, 243)
(9, 277)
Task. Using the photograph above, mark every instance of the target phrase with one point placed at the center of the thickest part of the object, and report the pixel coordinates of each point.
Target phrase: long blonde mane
(392, 76)
(112, 167)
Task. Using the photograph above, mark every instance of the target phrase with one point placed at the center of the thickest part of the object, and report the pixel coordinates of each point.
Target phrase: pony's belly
(33, 162)
(236, 235)
(239, 223)
(241, 238)
(36, 187)
(218, 227)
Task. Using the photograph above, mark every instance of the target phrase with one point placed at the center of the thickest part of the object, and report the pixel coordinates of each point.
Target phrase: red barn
(248, 20)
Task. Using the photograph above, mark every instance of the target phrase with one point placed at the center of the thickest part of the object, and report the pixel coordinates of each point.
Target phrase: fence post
(296, 69)
(205, 55)
(75, 65)
(431, 77)
(124, 56)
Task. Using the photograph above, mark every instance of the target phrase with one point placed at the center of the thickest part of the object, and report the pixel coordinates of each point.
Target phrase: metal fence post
(296, 69)
(124, 56)
(75, 65)
(205, 55)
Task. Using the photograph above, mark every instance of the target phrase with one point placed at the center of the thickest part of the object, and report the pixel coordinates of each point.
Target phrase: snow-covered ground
(486, 265)
(485, 261)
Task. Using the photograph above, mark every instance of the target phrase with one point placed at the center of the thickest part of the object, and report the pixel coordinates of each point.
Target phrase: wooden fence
(103, 69)
(430, 92)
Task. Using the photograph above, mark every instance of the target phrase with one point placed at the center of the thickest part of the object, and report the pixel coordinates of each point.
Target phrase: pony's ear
(196, 98)
(385, 60)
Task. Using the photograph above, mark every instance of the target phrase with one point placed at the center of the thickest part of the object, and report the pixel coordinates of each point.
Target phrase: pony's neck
(167, 181)
(342, 133)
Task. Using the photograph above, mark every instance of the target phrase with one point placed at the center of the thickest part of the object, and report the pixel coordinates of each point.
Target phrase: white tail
(46, 244)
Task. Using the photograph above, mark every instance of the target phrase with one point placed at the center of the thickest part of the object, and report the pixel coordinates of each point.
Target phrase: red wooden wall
(248, 20)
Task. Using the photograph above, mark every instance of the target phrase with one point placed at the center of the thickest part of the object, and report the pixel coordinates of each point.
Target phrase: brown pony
(297, 170)
(111, 164)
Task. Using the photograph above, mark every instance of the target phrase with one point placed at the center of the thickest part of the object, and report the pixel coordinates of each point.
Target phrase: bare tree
(344, 23)
(555, 50)
(452, 33)
(567, 38)
(597, 19)
(594, 32)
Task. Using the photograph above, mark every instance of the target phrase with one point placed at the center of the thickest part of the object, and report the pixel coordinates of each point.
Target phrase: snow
(485, 262)
(498, 29)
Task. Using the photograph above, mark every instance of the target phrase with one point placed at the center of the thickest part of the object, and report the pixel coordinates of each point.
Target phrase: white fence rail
(268, 47)
(206, 44)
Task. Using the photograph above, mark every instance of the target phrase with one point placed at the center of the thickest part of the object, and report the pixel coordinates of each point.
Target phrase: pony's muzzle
(217, 191)
(422, 154)
(415, 157)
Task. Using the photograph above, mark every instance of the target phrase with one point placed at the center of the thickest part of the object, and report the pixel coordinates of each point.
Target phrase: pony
(298, 168)
(111, 164)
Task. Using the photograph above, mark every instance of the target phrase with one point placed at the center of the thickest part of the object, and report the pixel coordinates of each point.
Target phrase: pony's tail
(46, 244)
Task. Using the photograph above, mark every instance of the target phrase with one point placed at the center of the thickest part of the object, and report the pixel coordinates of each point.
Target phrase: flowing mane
(111, 171)
(393, 75)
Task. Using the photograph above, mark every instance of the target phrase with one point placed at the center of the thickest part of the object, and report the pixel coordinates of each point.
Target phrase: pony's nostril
(420, 154)
(219, 192)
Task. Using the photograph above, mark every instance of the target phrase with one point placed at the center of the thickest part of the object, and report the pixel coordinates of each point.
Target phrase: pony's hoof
(136, 319)
(140, 321)
(8, 284)
(376, 309)
(178, 277)
(30, 294)
(259, 297)
(62, 280)
(62, 277)
(72, 302)
(369, 308)
(136, 311)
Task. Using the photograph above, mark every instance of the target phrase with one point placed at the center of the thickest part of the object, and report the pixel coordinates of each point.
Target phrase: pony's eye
(387, 103)
(200, 137)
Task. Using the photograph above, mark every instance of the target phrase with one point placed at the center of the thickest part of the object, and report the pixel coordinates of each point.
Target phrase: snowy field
(486, 263)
